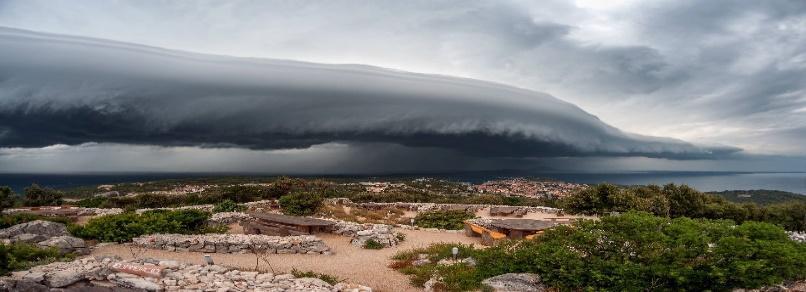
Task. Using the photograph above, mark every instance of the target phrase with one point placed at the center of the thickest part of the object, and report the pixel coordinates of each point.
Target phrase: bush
(93, 202)
(300, 204)
(20, 256)
(39, 196)
(451, 220)
(227, 206)
(372, 244)
(620, 253)
(330, 279)
(18, 218)
(124, 227)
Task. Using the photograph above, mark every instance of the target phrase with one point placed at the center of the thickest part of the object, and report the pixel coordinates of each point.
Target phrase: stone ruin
(114, 274)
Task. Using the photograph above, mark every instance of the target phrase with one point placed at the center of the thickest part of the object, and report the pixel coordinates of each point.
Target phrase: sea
(705, 181)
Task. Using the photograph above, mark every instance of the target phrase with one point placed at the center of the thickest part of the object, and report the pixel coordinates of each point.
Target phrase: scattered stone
(797, 236)
(99, 274)
(525, 282)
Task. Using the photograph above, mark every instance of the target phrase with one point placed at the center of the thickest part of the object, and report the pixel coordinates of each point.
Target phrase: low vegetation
(330, 279)
(372, 244)
(620, 253)
(124, 227)
(451, 220)
(227, 206)
(681, 201)
(21, 256)
(300, 203)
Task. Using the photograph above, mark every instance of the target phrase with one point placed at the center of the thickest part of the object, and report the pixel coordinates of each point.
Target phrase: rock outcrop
(118, 275)
(44, 234)
(234, 243)
(38, 227)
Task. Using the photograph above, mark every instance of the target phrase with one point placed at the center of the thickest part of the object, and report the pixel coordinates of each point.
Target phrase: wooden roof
(523, 224)
(291, 220)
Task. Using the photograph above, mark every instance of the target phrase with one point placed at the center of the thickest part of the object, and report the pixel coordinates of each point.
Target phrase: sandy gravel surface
(366, 267)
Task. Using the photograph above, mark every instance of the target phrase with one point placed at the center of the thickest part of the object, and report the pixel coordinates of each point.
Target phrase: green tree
(39, 196)
(7, 198)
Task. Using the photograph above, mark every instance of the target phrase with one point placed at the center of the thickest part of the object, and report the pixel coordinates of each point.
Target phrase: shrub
(124, 227)
(330, 279)
(227, 206)
(20, 256)
(39, 196)
(451, 220)
(400, 236)
(93, 202)
(300, 204)
(14, 219)
(372, 244)
(619, 253)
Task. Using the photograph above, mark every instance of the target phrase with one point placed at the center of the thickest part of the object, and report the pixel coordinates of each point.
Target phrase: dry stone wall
(234, 243)
(420, 207)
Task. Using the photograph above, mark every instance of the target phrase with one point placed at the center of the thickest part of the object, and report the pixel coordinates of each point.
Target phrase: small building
(284, 225)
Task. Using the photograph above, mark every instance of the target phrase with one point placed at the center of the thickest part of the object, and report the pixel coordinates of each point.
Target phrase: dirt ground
(357, 265)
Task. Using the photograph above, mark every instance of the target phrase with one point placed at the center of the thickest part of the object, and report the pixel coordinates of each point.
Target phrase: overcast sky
(635, 85)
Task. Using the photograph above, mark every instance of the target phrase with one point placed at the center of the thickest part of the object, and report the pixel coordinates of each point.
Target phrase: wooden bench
(284, 225)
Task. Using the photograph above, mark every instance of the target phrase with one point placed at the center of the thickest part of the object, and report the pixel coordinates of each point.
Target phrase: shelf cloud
(57, 89)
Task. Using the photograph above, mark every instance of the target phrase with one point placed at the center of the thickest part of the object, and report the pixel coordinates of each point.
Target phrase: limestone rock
(37, 227)
(511, 282)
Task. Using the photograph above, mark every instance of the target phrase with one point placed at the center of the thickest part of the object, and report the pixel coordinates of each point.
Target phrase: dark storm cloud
(58, 89)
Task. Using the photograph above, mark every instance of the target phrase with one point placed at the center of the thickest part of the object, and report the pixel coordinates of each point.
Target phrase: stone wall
(206, 207)
(228, 217)
(55, 210)
(234, 243)
(158, 275)
(420, 207)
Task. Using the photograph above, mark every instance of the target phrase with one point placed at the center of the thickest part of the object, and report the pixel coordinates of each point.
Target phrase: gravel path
(357, 265)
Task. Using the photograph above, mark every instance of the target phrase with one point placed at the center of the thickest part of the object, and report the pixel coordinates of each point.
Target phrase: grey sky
(716, 74)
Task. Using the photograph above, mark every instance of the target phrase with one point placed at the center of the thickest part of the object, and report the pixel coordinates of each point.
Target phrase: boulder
(138, 283)
(38, 227)
(65, 244)
(64, 277)
(511, 282)
(28, 238)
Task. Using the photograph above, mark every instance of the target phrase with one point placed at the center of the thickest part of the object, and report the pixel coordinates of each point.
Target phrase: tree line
(681, 201)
